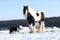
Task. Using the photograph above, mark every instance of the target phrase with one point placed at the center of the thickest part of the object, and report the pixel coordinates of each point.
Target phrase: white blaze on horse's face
(33, 13)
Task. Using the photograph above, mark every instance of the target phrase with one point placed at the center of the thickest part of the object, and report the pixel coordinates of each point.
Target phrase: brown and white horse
(33, 17)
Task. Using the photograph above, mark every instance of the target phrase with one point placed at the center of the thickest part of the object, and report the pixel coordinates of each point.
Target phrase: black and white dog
(33, 17)
(14, 29)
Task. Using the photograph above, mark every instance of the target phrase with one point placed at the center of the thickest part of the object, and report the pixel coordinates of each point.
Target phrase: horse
(34, 17)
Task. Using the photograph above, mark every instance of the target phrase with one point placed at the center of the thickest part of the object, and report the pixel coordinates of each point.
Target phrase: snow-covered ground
(48, 34)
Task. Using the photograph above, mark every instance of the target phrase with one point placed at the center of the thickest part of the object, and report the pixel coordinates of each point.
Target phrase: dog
(14, 29)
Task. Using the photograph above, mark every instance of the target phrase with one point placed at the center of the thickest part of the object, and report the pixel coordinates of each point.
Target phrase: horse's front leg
(32, 29)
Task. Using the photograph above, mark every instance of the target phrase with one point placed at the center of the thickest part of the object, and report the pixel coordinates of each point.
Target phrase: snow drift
(48, 34)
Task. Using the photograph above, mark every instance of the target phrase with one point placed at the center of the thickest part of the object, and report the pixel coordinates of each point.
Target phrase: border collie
(14, 29)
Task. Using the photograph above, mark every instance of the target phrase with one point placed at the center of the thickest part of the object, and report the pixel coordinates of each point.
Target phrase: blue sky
(13, 9)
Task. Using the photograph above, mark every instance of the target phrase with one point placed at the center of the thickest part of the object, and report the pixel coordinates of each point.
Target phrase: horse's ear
(25, 6)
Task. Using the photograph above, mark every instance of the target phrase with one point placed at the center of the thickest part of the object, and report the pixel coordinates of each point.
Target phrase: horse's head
(25, 8)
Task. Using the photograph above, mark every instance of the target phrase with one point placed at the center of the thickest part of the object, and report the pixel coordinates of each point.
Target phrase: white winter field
(48, 34)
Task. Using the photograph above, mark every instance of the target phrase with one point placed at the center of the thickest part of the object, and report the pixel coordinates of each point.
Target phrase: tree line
(49, 22)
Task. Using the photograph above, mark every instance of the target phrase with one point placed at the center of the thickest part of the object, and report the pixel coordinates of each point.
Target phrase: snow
(24, 34)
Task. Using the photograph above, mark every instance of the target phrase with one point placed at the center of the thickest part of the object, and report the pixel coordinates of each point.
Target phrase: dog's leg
(18, 29)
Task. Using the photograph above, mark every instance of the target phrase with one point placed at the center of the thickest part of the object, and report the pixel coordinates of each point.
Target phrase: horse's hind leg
(40, 29)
